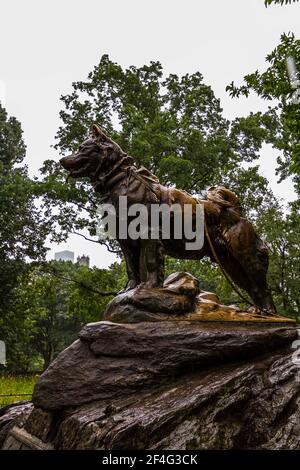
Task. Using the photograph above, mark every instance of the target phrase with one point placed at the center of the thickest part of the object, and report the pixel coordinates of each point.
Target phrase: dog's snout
(66, 162)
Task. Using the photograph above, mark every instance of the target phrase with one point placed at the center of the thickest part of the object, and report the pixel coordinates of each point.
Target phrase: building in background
(64, 255)
(83, 261)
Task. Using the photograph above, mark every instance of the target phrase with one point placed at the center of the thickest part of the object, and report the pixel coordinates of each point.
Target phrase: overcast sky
(46, 45)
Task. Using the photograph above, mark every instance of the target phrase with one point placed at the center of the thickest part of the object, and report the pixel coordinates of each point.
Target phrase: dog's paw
(129, 286)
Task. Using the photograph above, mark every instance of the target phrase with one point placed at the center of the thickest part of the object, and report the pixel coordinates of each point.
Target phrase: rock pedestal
(180, 299)
(165, 385)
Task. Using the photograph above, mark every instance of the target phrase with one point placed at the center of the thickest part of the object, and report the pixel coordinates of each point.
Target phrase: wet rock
(12, 415)
(112, 360)
(180, 299)
(255, 405)
(176, 297)
(165, 385)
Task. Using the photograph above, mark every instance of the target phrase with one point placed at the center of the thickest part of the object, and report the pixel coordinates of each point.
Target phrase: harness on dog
(132, 172)
(221, 196)
(235, 204)
(225, 273)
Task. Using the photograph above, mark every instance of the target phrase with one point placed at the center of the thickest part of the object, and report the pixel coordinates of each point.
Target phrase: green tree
(281, 232)
(280, 128)
(93, 289)
(172, 125)
(22, 228)
(280, 123)
(53, 300)
(46, 309)
(280, 2)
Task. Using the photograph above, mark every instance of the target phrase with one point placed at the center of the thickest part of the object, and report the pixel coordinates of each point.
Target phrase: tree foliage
(22, 227)
(172, 125)
(175, 127)
(281, 232)
(280, 123)
(54, 300)
(280, 2)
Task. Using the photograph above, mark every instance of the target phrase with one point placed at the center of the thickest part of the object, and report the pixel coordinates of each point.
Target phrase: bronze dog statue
(236, 247)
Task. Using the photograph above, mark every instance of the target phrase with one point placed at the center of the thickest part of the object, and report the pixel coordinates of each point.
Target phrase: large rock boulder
(13, 415)
(112, 360)
(180, 299)
(167, 385)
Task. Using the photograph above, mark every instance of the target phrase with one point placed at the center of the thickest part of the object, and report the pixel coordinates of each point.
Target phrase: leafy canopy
(172, 125)
(281, 121)
(22, 227)
(280, 2)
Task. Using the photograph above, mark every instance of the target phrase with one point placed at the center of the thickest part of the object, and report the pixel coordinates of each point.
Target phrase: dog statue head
(88, 159)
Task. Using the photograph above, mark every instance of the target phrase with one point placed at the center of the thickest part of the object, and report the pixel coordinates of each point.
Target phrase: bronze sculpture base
(180, 299)
(165, 385)
(211, 311)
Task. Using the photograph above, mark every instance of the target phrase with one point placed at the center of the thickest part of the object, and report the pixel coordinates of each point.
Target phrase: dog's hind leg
(259, 290)
(247, 264)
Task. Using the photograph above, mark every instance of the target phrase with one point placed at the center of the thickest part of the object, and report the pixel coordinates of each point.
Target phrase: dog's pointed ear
(98, 133)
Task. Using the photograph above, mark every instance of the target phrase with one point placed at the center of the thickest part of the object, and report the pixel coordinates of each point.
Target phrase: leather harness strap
(227, 276)
(223, 270)
(132, 172)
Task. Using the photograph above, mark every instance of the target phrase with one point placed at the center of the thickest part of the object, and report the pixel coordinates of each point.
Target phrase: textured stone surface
(176, 297)
(113, 360)
(180, 299)
(165, 385)
(12, 415)
(251, 405)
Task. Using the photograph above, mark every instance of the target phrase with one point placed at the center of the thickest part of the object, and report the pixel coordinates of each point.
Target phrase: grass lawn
(16, 384)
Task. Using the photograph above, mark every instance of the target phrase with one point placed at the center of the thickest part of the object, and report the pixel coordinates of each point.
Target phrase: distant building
(83, 260)
(64, 255)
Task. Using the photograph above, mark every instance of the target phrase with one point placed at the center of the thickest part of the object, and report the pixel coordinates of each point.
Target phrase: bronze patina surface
(181, 299)
(238, 249)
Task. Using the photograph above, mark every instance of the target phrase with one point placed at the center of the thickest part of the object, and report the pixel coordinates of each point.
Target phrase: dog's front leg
(152, 263)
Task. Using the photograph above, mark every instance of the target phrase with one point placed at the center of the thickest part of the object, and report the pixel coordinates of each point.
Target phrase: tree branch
(118, 252)
(86, 238)
(80, 283)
